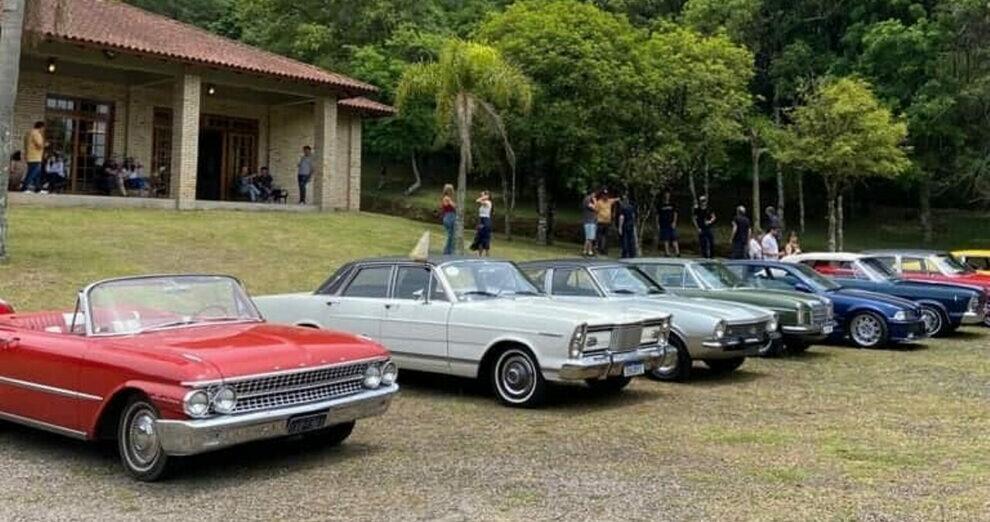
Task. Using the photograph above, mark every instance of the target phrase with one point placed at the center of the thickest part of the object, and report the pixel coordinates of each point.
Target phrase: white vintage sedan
(481, 319)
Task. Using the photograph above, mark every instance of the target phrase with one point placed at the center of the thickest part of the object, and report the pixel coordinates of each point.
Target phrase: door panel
(39, 377)
(415, 328)
(360, 307)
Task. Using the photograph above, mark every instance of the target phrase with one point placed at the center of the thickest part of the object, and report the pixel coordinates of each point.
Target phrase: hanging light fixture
(51, 66)
(211, 89)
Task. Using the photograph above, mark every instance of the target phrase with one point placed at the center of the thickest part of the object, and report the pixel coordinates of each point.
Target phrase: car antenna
(422, 249)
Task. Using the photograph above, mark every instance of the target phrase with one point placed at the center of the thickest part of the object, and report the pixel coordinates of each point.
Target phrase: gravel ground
(837, 434)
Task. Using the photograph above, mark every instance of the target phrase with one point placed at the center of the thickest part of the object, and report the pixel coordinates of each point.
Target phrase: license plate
(633, 369)
(306, 423)
(827, 329)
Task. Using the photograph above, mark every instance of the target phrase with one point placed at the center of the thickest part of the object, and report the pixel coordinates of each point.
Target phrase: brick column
(185, 140)
(354, 174)
(326, 191)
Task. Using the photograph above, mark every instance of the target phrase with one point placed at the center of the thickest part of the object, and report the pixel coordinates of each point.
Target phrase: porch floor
(78, 200)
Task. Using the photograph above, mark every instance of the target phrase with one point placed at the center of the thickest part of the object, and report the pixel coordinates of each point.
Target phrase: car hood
(939, 288)
(580, 310)
(890, 300)
(237, 350)
(730, 312)
(768, 298)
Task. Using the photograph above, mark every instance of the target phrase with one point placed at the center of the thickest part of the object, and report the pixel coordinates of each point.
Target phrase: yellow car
(979, 260)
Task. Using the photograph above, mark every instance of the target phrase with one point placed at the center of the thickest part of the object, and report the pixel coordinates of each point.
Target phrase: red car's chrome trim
(27, 385)
(197, 384)
(76, 434)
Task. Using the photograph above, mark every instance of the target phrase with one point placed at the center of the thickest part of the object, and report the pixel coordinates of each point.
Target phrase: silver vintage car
(481, 319)
(718, 333)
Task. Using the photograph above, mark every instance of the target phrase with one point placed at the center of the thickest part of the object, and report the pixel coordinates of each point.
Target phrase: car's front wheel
(868, 330)
(797, 346)
(936, 325)
(610, 385)
(773, 348)
(675, 366)
(137, 441)
(517, 379)
(333, 436)
(722, 366)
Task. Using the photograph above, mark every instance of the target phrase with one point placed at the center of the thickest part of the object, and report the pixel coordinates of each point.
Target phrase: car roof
(664, 260)
(905, 252)
(434, 260)
(576, 262)
(759, 262)
(826, 256)
(972, 252)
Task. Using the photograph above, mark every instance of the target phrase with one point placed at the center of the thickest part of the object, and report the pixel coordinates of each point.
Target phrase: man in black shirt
(667, 225)
(740, 233)
(704, 218)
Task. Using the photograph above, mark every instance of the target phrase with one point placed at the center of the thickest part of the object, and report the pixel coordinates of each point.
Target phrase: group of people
(259, 187)
(30, 170)
(749, 242)
(482, 243)
(124, 175)
(601, 211)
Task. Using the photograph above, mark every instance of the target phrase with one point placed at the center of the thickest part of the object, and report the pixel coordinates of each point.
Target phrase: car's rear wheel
(675, 366)
(610, 385)
(137, 441)
(868, 330)
(517, 379)
(936, 325)
(722, 366)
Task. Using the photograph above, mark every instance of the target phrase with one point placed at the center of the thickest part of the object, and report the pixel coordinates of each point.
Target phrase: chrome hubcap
(932, 319)
(142, 439)
(517, 377)
(866, 330)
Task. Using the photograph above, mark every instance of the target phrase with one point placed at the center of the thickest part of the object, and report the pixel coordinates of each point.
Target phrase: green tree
(468, 80)
(844, 133)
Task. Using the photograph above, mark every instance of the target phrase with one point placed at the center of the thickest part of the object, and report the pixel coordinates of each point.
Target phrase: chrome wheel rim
(142, 444)
(866, 330)
(932, 319)
(516, 376)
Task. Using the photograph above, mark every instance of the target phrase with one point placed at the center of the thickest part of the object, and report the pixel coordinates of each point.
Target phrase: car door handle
(388, 306)
(12, 342)
(331, 303)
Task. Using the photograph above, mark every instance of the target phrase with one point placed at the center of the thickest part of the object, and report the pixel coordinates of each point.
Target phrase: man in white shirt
(754, 248)
(771, 249)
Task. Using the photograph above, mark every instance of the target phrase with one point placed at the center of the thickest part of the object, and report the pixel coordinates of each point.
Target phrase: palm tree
(467, 80)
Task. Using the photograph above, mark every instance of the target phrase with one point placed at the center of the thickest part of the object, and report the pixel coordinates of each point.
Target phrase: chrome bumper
(973, 318)
(808, 329)
(603, 365)
(191, 437)
(740, 342)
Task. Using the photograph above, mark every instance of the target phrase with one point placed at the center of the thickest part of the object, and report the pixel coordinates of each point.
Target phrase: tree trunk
(800, 188)
(418, 180)
(754, 150)
(781, 203)
(830, 196)
(925, 206)
(382, 173)
(840, 228)
(506, 200)
(706, 179)
(542, 224)
(692, 187)
(11, 26)
(465, 109)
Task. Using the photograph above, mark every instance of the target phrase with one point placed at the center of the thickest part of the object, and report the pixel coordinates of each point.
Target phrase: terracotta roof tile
(366, 106)
(116, 25)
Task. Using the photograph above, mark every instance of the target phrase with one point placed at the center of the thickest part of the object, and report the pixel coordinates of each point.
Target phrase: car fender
(166, 397)
(940, 306)
(488, 358)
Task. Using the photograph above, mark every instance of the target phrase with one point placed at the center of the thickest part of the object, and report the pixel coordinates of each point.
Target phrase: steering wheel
(199, 314)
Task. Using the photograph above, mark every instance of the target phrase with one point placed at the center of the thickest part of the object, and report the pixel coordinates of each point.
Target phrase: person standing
(304, 172)
(755, 249)
(771, 248)
(773, 218)
(740, 233)
(704, 219)
(34, 151)
(627, 227)
(589, 219)
(667, 225)
(603, 216)
(793, 246)
(483, 237)
(448, 215)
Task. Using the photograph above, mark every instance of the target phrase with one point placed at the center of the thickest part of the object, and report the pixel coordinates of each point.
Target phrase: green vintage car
(804, 319)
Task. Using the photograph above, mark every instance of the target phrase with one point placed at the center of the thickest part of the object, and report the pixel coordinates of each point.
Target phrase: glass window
(537, 275)
(412, 282)
(716, 276)
(626, 280)
(486, 279)
(667, 275)
(573, 282)
(370, 282)
(913, 264)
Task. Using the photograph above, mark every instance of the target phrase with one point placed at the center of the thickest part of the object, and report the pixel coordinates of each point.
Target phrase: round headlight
(773, 323)
(900, 316)
(197, 404)
(720, 329)
(390, 372)
(372, 376)
(225, 400)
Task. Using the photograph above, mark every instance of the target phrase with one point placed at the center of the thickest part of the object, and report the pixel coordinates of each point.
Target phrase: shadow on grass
(702, 376)
(812, 355)
(89, 460)
(967, 335)
(558, 395)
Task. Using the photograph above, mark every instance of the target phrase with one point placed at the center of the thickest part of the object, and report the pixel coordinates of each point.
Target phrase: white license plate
(827, 329)
(633, 369)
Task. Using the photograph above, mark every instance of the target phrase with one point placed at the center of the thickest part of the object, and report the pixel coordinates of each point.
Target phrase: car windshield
(819, 281)
(487, 279)
(626, 280)
(951, 266)
(716, 277)
(141, 304)
(877, 270)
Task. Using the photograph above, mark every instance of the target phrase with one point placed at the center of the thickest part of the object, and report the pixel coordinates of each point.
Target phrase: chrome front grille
(819, 315)
(304, 386)
(747, 330)
(626, 337)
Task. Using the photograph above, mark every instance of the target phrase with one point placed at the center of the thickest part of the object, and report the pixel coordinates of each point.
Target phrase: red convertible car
(176, 365)
(933, 266)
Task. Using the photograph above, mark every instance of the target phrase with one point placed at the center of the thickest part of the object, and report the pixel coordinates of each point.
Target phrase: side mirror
(420, 296)
(801, 287)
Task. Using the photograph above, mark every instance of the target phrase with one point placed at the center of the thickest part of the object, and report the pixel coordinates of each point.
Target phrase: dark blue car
(944, 306)
(868, 319)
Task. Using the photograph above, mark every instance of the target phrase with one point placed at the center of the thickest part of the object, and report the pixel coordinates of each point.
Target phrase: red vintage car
(933, 266)
(176, 365)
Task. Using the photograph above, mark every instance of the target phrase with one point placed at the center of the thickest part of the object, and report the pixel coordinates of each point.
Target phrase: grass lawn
(836, 434)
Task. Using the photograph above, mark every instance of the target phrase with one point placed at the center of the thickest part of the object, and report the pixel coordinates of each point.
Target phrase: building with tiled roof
(114, 83)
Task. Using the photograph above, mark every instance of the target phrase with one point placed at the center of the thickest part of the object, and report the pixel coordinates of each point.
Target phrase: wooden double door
(226, 145)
